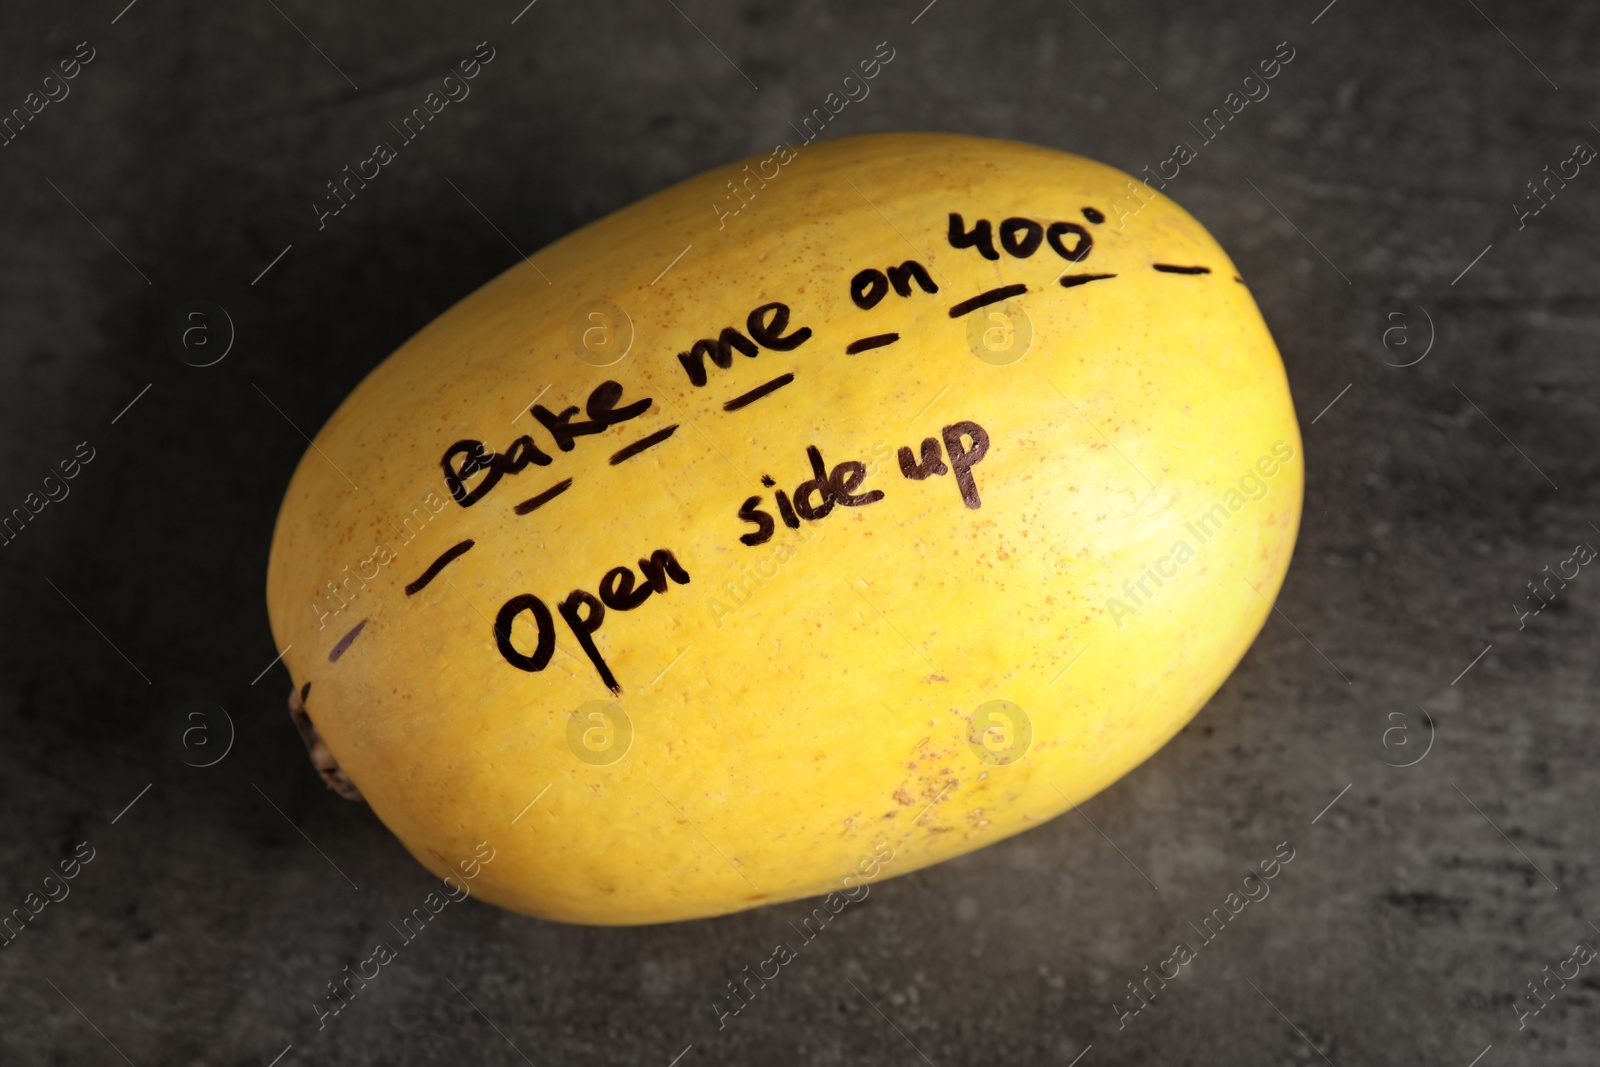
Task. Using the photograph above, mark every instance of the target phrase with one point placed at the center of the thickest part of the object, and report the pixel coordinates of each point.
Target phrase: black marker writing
(765, 325)
(984, 299)
(539, 500)
(345, 642)
(467, 457)
(813, 498)
(747, 398)
(1025, 245)
(1021, 237)
(584, 613)
(962, 458)
(980, 236)
(540, 658)
(1081, 246)
(866, 344)
(648, 441)
(449, 556)
(602, 411)
(930, 463)
(750, 512)
(1069, 280)
(870, 286)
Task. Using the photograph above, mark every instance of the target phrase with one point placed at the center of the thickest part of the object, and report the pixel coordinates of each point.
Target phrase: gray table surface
(1388, 158)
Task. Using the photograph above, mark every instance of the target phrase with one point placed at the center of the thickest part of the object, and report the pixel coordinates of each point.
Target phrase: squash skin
(796, 710)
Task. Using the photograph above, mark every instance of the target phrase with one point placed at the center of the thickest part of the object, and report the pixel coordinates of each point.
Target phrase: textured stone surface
(1397, 141)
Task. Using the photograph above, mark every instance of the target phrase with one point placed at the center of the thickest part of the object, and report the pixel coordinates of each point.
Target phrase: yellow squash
(820, 518)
